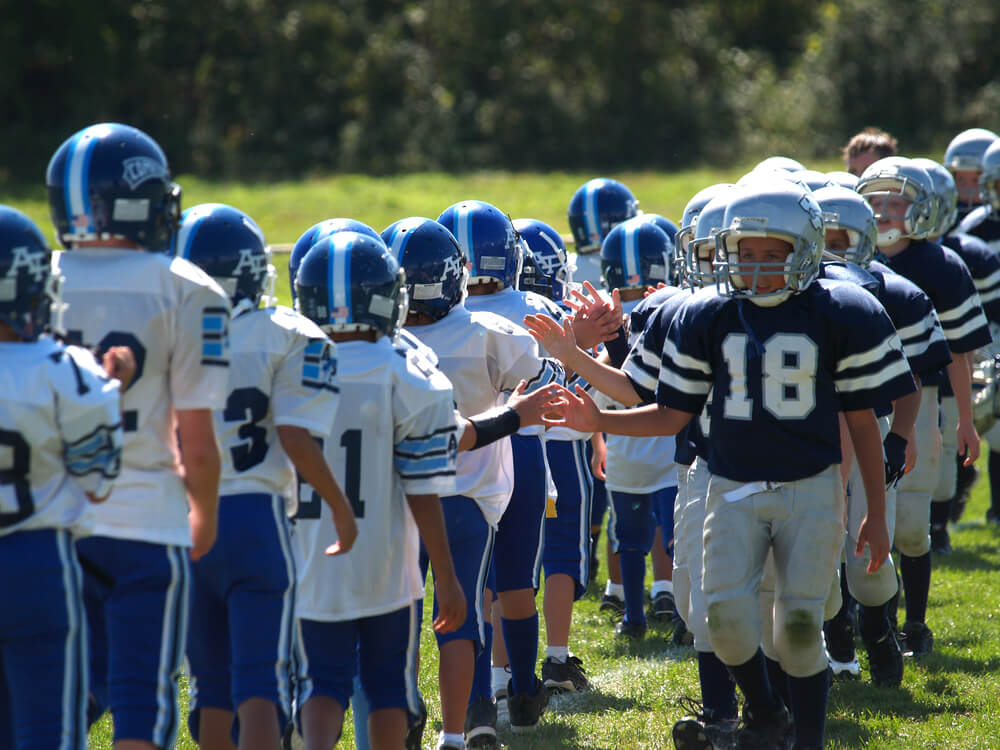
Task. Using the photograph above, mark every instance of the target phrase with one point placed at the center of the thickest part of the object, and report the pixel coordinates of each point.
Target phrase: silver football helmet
(845, 209)
(842, 178)
(781, 162)
(689, 220)
(991, 174)
(965, 151)
(945, 196)
(700, 256)
(897, 175)
(781, 210)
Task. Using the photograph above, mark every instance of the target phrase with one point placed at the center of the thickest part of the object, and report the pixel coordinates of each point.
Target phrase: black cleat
(681, 636)
(612, 603)
(993, 516)
(415, 732)
(769, 733)
(481, 724)
(526, 708)
(701, 730)
(633, 630)
(564, 677)
(940, 540)
(885, 661)
(662, 607)
(839, 636)
(918, 640)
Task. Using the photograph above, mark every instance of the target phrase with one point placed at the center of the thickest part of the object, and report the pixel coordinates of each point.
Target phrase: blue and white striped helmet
(487, 237)
(317, 232)
(597, 207)
(433, 261)
(636, 254)
(550, 254)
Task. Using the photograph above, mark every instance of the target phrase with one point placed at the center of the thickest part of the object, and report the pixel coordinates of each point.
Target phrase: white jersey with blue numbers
(283, 371)
(485, 357)
(780, 375)
(394, 434)
(637, 464)
(60, 435)
(175, 319)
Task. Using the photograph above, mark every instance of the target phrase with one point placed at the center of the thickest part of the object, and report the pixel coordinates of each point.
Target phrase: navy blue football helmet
(487, 238)
(112, 181)
(26, 282)
(597, 207)
(350, 282)
(635, 254)
(433, 261)
(317, 232)
(550, 255)
(532, 279)
(229, 246)
(663, 223)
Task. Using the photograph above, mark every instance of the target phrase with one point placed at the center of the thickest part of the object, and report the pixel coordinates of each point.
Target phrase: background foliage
(284, 88)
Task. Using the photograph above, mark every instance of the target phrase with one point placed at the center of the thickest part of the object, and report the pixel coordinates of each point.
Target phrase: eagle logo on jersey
(33, 263)
(253, 263)
(139, 169)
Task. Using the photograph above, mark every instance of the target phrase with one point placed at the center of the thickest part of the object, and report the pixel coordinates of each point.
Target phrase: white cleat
(844, 668)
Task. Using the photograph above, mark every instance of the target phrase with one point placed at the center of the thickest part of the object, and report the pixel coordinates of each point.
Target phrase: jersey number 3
(789, 376)
(16, 474)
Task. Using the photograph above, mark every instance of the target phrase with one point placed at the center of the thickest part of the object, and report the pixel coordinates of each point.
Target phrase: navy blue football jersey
(643, 363)
(779, 375)
(943, 277)
(984, 223)
(983, 263)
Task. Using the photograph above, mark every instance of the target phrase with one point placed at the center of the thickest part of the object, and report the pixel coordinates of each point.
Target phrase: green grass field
(951, 699)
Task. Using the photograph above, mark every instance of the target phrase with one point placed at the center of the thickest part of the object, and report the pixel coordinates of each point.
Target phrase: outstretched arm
(581, 413)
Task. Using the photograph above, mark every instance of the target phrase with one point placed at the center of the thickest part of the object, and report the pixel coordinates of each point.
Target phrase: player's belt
(750, 488)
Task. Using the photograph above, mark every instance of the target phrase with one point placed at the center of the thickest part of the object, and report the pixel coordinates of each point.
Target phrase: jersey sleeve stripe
(670, 351)
(874, 380)
(918, 329)
(959, 311)
(678, 382)
(990, 281)
(410, 467)
(550, 372)
(643, 381)
(417, 446)
(875, 354)
(970, 326)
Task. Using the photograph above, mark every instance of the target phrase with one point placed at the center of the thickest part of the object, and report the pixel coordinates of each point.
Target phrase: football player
(396, 413)
(901, 195)
(115, 210)
(282, 397)
(484, 356)
(61, 440)
(784, 354)
(596, 208)
(964, 159)
(866, 148)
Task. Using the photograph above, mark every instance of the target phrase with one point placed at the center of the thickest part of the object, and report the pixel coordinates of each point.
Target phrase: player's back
(60, 431)
(282, 372)
(394, 434)
(174, 318)
(984, 223)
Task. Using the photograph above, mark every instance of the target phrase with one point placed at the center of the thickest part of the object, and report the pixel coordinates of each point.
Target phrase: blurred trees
(280, 88)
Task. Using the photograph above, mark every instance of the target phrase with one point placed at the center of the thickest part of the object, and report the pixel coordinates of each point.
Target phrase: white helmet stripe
(75, 180)
(590, 215)
(340, 278)
(630, 252)
(463, 225)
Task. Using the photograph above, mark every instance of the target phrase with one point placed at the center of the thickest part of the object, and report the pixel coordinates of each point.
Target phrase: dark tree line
(281, 88)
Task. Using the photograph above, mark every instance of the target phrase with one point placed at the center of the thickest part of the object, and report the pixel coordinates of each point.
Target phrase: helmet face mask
(112, 181)
(550, 256)
(890, 182)
(945, 196)
(765, 213)
(700, 257)
(845, 210)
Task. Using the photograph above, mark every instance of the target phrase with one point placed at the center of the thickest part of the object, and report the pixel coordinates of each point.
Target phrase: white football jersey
(60, 435)
(485, 357)
(394, 434)
(175, 319)
(283, 371)
(636, 464)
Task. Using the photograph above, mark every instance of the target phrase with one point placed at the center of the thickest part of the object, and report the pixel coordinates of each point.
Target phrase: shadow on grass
(594, 701)
(861, 699)
(969, 557)
(848, 732)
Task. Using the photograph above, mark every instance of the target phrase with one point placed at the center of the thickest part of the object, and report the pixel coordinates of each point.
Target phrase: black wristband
(495, 425)
(617, 348)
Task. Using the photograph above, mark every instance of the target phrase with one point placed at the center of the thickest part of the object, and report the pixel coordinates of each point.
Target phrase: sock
(559, 653)
(809, 696)
(916, 573)
(521, 637)
(994, 468)
(482, 682)
(633, 576)
(614, 589)
(751, 676)
(940, 512)
(458, 740)
(874, 622)
(779, 681)
(718, 691)
(660, 586)
(501, 676)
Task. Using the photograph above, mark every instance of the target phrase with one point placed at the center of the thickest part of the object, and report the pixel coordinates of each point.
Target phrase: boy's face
(890, 211)
(772, 253)
(837, 241)
(967, 182)
(858, 163)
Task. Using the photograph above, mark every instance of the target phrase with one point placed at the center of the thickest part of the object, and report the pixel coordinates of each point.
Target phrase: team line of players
(233, 426)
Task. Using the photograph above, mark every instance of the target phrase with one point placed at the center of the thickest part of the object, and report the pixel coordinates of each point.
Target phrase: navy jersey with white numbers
(984, 223)
(983, 263)
(943, 277)
(780, 374)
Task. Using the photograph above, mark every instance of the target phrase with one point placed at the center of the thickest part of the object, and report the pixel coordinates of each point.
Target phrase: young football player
(597, 207)
(115, 210)
(901, 195)
(283, 395)
(964, 159)
(484, 356)
(866, 148)
(61, 437)
(395, 412)
(784, 354)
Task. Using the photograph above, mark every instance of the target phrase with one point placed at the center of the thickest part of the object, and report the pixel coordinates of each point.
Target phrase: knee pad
(698, 617)
(734, 627)
(871, 590)
(682, 592)
(913, 523)
(834, 599)
(798, 637)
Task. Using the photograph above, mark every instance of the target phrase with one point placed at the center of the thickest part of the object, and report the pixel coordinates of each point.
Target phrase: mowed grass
(948, 700)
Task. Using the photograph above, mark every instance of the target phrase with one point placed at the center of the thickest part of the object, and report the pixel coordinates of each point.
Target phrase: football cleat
(612, 603)
(772, 732)
(564, 676)
(526, 709)
(635, 631)
(112, 181)
(885, 660)
(481, 724)
(918, 640)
